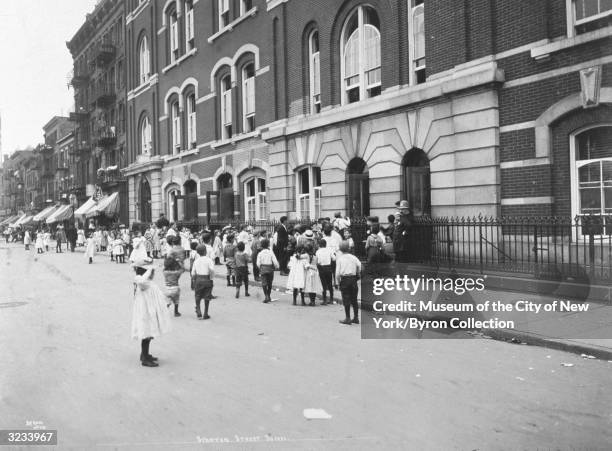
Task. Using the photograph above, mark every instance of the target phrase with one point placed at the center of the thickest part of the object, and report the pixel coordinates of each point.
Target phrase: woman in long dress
(150, 315)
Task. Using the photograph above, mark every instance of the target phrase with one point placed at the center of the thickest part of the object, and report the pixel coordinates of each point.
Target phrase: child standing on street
(218, 248)
(90, 248)
(150, 315)
(348, 272)
(325, 257)
(228, 254)
(172, 273)
(242, 260)
(39, 242)
(118, 250)
(202, 273)
(267, 263)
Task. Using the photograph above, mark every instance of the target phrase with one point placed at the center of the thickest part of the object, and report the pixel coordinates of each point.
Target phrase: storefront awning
(24, 220)
(86, 207)
(108, 205)
(61, 214)
(16, 223)
(45, 213)
(9, 220)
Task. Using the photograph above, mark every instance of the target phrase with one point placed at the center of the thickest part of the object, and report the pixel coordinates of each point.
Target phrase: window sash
(598, 8)
(249, 96)
(223, 13)
(191, 121)
(173, 36)
(189, 23)
(256, 202)
(226, 107)
(176, 128)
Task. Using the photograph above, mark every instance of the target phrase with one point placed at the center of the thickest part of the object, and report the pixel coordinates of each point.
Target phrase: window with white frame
(255, 200)
(191, 121)
(176, 127)
(361, 61)
(309, 192)
(174, 37)
(245, 6)
(146, 144)
(144, 65)
(189, 26)
(592, 178)
(248, 98)
(315, 72)
(589, 15)
(224, 13)
(226, 107)
(416, 40)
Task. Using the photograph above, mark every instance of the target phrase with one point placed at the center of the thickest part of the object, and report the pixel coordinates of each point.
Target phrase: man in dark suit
(282, 239)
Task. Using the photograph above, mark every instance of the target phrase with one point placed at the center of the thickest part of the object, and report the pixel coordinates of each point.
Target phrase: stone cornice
(143, 164)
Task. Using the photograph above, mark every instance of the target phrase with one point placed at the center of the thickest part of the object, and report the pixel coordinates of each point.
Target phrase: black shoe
(345, 321)
(149, 357)
(355, 321)
(266, 301)
(177, 314)
(247, 295)
(149, 363)
(312, 304)
(206, 317)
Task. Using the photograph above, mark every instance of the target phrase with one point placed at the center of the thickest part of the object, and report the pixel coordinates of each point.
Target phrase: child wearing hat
(228, 254)
(150, 315)
(242, 259)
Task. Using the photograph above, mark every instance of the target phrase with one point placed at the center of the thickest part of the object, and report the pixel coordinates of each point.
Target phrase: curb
(549, 343)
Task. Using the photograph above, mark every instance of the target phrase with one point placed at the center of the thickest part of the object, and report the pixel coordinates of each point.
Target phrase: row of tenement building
(254, 109)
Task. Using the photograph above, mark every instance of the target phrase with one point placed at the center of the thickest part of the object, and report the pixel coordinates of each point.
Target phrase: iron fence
(552, 248)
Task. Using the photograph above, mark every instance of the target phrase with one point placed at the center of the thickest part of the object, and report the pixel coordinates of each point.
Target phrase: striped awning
(108, 205)
(61, 214)
(45, 213)
(24, 220)
(16, 222)
(86, 207)
(8, 220)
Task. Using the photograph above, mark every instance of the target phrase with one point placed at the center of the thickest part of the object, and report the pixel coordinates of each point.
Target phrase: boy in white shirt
(325, 257)
(202, 273)
(348, 272)
(267, 263)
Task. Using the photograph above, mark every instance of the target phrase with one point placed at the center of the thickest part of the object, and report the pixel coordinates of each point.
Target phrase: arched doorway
(174, 194)
(145, 201)
(358, 188)
(416, 182)
(191, 200)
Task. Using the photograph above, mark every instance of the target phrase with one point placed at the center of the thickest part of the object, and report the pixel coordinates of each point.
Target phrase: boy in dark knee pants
(202, 273)
(348, 272)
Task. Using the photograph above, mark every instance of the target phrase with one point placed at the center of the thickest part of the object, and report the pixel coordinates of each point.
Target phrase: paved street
(249, 372)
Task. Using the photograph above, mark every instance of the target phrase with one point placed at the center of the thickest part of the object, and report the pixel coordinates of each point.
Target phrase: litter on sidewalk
(316, 414)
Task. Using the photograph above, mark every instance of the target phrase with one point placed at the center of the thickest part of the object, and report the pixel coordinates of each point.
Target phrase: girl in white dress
(90, 248)
(80, 237)
(39, 242)
(139, 247)
(312, 282)
(46, 239)
(150, 315)
(296, 279)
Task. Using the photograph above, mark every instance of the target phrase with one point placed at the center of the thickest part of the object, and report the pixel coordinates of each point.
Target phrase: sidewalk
(588, 332)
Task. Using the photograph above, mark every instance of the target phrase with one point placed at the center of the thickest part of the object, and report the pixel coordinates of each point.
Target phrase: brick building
(255, 108)
(98, 79)
(55, 167)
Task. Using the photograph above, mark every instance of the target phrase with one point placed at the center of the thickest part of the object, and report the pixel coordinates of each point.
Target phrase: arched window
(145, 201)
(226, 107)
(358, 189)
(146, 143)
(175, 113)
(361, 76)
(314, 67)
(255, 199)
(308, 184)
(591, 157)
(144, 64)
(248, 98)
(191, 121)
(416, 40)
(416, 185)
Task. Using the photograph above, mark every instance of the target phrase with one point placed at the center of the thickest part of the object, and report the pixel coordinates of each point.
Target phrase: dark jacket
(282, 236)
